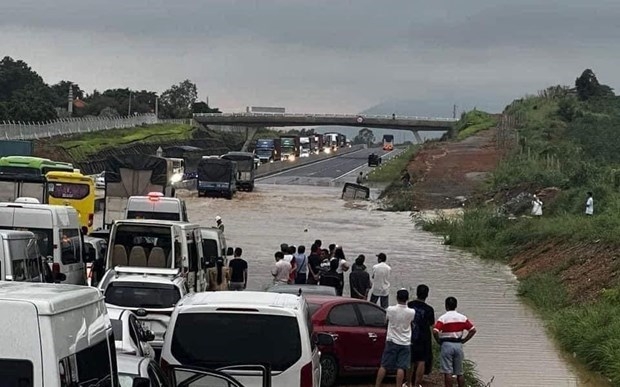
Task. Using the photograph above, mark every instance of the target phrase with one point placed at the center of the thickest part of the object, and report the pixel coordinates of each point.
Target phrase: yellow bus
(75, 190)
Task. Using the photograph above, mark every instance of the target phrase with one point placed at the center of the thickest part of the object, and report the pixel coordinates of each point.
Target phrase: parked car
(358, 328)
(303, 289)
(130, 337)
(219, 329)
(148, 292)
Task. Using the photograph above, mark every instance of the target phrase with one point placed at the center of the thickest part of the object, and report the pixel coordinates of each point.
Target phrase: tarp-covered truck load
(245, 169)
(352, 191)
(16, 185)
(217, 177)
(133, 175)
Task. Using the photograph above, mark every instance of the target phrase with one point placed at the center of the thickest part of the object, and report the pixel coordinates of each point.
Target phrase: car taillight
(306, 376)
(55, 268)
(91, 218)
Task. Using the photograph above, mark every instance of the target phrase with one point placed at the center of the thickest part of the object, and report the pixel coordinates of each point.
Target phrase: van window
(215, 340)
(44, 237)
(142, 295)
(209, 248)
(145, 236)
(92, 366)
(25, 260)
(153, 215)
(16, 372)
(71, 246)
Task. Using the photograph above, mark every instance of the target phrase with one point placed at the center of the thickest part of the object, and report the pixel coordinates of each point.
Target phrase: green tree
(364, 136)
(32, 103)
(588, 86)
(177, 101)
(203, 107)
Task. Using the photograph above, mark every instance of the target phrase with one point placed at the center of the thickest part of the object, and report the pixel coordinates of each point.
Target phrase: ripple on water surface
(511, 344)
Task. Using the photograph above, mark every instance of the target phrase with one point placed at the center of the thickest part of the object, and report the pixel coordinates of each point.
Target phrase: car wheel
(329, 371)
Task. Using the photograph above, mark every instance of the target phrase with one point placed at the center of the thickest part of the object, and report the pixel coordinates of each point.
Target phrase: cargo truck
(290, 147)
(331, 142)
(319, 143)
(217, 177)
(245, 169)
(268, 149)
(307, 146)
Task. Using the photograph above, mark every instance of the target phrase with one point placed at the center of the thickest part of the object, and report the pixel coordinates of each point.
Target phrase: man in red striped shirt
(448, 332)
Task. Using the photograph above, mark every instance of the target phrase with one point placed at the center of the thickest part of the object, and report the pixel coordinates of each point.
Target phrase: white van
(58, 231)
(217, 329)
(19, 257)
(214, 244)
(157, 244)
(55, 335)
(156, 206)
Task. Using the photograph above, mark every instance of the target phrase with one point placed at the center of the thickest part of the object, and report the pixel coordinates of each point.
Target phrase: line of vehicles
(289, 147)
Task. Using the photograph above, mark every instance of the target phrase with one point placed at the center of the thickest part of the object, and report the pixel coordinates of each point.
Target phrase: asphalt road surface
(329, 172)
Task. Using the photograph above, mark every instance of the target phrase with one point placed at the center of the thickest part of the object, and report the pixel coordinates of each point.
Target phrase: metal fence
(66, 126)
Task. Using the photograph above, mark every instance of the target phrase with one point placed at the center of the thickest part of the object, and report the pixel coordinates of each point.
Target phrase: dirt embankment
(444, 174)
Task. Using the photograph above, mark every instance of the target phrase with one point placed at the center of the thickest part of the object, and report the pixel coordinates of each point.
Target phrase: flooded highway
(511, 346)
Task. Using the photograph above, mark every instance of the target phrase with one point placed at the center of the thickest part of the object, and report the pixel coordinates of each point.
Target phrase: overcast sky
(329, 56)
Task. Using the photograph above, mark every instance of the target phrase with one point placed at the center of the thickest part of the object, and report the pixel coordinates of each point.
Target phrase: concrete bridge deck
(355, 120)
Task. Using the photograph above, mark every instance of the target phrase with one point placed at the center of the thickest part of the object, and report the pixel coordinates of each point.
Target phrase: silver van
(19, 257)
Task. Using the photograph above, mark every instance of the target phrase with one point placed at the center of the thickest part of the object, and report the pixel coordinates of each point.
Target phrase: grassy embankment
(571, 144)
(473, 122)
(395, 197)
(83, 145)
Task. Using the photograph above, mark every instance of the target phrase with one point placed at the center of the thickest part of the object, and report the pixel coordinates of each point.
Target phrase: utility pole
(156, 107)
(454, 111)
(129, 109)
(70, 100)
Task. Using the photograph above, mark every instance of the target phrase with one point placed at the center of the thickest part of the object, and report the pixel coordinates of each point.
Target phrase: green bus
(24, 176)
(26, 165)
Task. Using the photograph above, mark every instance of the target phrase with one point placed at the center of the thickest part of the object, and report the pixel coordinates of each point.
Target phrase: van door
(69, 255)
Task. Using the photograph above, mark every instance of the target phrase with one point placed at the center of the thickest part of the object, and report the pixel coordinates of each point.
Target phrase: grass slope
(473, 122)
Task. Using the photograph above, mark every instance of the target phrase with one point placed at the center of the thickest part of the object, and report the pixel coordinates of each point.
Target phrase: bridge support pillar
(417, 136)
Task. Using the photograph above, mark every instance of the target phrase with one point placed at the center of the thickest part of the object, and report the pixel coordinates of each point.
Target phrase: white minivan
(156, 206)
(54, 336)
(58, 231)
(219, 329)
(19, 257)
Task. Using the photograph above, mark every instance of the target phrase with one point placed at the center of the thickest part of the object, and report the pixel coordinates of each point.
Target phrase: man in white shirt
(380, 282)
(397, 351)
(590, 204)
(281, 271)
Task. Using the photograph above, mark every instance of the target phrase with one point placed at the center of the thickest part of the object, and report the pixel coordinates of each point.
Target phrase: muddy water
(511, 345)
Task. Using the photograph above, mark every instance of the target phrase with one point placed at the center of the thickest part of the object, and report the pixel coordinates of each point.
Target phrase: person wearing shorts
(397, 351)
(448, 332)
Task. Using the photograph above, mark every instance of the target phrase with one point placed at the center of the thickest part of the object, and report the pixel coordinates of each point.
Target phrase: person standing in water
(218, 222)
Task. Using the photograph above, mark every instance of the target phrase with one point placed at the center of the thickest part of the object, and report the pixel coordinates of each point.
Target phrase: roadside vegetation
(564, 144)
(473, 122)
(84, 145)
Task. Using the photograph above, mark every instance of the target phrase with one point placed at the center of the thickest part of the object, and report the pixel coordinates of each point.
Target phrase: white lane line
(307, 165)
(361, 166)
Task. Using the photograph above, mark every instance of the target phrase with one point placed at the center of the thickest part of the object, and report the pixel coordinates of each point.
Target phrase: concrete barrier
(268, 169)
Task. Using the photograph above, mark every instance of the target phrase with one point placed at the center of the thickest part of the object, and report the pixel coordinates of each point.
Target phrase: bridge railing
(308, 115)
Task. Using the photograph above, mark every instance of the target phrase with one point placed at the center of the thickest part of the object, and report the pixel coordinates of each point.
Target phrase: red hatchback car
(358, 328)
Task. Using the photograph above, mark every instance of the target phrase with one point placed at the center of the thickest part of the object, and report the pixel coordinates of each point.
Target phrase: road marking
(307, 165)
(361, 166)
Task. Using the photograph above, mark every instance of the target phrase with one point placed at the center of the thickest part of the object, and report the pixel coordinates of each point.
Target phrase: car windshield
(215, 340)
(142, 295)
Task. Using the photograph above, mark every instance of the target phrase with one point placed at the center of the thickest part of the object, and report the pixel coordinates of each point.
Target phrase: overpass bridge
(255, 120)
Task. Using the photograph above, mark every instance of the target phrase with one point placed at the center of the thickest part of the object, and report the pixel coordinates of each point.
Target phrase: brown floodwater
(511, 346)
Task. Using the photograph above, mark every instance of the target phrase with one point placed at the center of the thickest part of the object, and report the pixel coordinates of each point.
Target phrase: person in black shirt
(314, 265)
(421, 337)
(359, 279)
(331, 278)
(239, 271)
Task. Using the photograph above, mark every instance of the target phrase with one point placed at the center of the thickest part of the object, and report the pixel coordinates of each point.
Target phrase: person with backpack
(421, 337)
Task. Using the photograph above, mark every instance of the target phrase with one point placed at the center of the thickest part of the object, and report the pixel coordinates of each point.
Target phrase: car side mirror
(324, 339)
(140, 312)
(148, 336)
(141, 382)
(229, 251)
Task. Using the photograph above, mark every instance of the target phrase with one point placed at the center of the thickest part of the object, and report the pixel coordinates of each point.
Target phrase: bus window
(68, 190)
